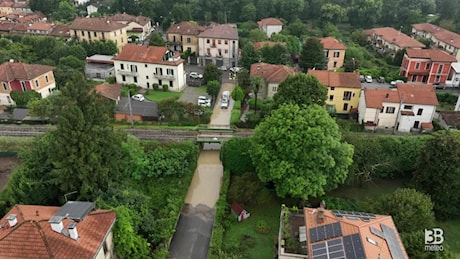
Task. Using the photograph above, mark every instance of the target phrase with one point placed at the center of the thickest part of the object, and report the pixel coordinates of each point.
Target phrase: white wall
(270, 29)
(406, 123)
(231, 47)
(4, 99)
(388, 119)
(45, 92)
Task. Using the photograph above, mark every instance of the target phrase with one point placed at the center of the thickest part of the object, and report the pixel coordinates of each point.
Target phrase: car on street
(394, 82)
(138, 97)
(368, 79)
(381, 80)
(361, 78)
(204, 101)
(195, 75)
(223, 68)
(235, 69)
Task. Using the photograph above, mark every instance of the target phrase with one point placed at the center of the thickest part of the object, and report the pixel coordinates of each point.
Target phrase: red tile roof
(331, 43)
(396, 37)
(432, 54)
(21, 71)
(32, 236)
(360, 227)
(269, 21)
(110, 91)
(142, 20)
(145, 54)
(439, 33)
(95, 24)
(271, 73)
(40, 26)
(185, 28)
(422, 94)
(375, 97)
(337, 79)
(221, 31)
(258, 45)
(60, 30)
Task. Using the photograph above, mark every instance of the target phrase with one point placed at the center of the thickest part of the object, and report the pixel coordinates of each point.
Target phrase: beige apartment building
(102, 29)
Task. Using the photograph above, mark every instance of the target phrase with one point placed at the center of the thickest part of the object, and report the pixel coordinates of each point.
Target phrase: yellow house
(102, 29)
(183, 37)
(343, 90)
(334, 51)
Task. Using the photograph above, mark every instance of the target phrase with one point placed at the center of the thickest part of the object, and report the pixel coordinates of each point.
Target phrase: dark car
(381, 80)
(361, 77)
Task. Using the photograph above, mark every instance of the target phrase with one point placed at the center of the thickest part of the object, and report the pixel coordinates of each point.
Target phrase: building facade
(183, 37)
(219, 45)
(334, 51)
(100, 29)
(388, 41)
(138, 28)
(272, 74)
(270, 26)
(149, 65)
(439, 38)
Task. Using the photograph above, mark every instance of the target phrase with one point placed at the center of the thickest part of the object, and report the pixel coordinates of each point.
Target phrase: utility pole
(130, 109)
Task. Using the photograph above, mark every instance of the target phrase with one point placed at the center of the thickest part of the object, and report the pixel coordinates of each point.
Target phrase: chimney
(322, 204)
(37, 213)
(387, 95)
(56, 223)
(73, 230)
(320, 216)
(12, 220)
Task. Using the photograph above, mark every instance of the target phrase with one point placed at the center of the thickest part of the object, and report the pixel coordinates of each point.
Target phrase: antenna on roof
(67, 194)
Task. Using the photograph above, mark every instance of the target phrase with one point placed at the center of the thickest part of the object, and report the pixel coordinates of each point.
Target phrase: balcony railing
(164, 76)
(127, 72)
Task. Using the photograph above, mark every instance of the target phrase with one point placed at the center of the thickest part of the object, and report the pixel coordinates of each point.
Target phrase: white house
(148, 65)
(453, 79)
(219, 45)
(80, 2)
(410, 107)
(270, 26)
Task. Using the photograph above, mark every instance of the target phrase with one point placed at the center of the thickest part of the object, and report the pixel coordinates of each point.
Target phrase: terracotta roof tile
(40, 26)
(422, 94)
(95, 24)
(111, 91)
(60, 30)
(142, 20)
(439, 33)
(375, 97)
(32, 237)
(185, 28)
(331, 43)
(258, 45)
(432, 54)
(269, 21)
(396, 37)
(21, 71)
(145, 54)
(222, 31)
(337, 79)
(271, 73)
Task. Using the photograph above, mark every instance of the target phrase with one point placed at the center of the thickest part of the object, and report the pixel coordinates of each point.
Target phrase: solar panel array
(325, 232)
(354, 215)
(354, 247)
(389, 234)
(328, 249)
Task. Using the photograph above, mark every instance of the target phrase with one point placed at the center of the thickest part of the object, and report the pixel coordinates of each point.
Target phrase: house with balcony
(219, 45)
(76, 230)
(439, 38)
(98, 29)
(18, 76)
(272, 74)
(409, 107)
(183, 37)
(343, 90)
(430, 66)
(338, 234)
(149, 65)
(99, 67)
(138, 28)
(388, 41)
(270, 26)
(334, 51)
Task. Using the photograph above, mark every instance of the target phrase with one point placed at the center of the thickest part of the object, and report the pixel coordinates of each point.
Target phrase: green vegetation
(451, 230)
(236, 113)
(158, 96)
(447, 101)
(14, 144)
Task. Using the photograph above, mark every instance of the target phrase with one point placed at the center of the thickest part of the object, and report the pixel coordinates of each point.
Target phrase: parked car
(368, 79)
(394, 82)
(225, 99)
(439, 85)
(235, 69)
(223, 68)
(381, 80)
(138, 97)
(195, 75)
(204, 101)
(361, 77)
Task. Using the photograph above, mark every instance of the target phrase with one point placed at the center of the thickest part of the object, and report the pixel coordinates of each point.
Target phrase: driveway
(221, 117)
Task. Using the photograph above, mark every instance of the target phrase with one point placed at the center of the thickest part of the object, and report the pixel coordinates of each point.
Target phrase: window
(335, 64)
(36, 83)
(226, 51)
(146, 77)
(437, 78)
(440, 68)
(390, 110)
(189, 49)
(95, 34)
(5, 86)
(207, 41)
(419, 111)
(383, 109)
(407, 107)
(213, 43)
(414, 78)
(331, 97)
(336, 54)
(171, 83)
(82, 33)
(123, 78)
(326, 53)
(135, 79)
(219, 41)
(208, 52)
(134, 68)
(427, 66)
(220, 52)
(8, 99)
(416, 124)
(371, 241)
(417, 65)
(226, 42)
(345, 106)
(145, 65)
(122, 66)
(346, 95)
(274, 89)
(46, 78)
(148, 85)
(170, 72)
(160, 83)
(23, 86)
(115, 33)
(332, 88)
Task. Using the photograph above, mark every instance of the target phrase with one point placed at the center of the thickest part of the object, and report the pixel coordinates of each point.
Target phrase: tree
(296, 28)
(277, 54)
(156, 39)
(22, 98)
(249, 56)
(332, 13)
(437, 174)
(235, 155)
(257, 35)
(181, 12)
(411, 210)
(415, 240)
(248, 12)
(213, 88)
(299, 149)
(363, 13)
(257, 83)
(301, 89)
(292, 42)
(312, 55)
(238, 94)
(211, 72)
(65, 12)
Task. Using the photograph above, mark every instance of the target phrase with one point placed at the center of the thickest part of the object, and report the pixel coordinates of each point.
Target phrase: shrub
(244, 188)
(165, 87)
(262, 227)
(155, 86)
(235, 156)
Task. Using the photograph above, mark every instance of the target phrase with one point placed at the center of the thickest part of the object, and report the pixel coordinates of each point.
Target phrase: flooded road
(221, 117)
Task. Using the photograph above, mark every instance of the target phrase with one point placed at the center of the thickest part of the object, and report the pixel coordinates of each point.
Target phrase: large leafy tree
(301, 89)
(299, 149)
(249, 56)
(333, 13)
(211, 72)
(438, 174)
(257, 84)
(65, 11)
(363, 13)
(277, 54)
(213, 88)
(312, 55)
(22, 98)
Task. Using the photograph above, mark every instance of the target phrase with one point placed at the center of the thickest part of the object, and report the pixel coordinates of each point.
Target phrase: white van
(225, 99)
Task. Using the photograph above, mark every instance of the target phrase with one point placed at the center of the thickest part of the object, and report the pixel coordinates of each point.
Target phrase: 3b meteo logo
(434, 239)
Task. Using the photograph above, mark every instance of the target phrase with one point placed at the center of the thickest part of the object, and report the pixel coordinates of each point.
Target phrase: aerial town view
(255, 129)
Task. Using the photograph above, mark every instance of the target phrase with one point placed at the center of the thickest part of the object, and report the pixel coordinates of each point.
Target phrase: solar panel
(321, 233)
(337, 255)
(313, 235)
(75, 210)
(335, 248)
(353, 215)
(334, 242)
(329, 249)
(339, 215)
(365, 219)
(337, 229)
(353, 247)
(329, 231)
(318, 246)
(392, 240)
(377, 232)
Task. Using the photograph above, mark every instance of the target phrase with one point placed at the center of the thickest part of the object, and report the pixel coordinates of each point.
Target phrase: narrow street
(194, 228)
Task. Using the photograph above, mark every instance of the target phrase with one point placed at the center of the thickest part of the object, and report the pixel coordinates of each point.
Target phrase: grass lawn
(373, 189)
(201, 90)
(451, 230)
(160, 95)
(261, 245)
